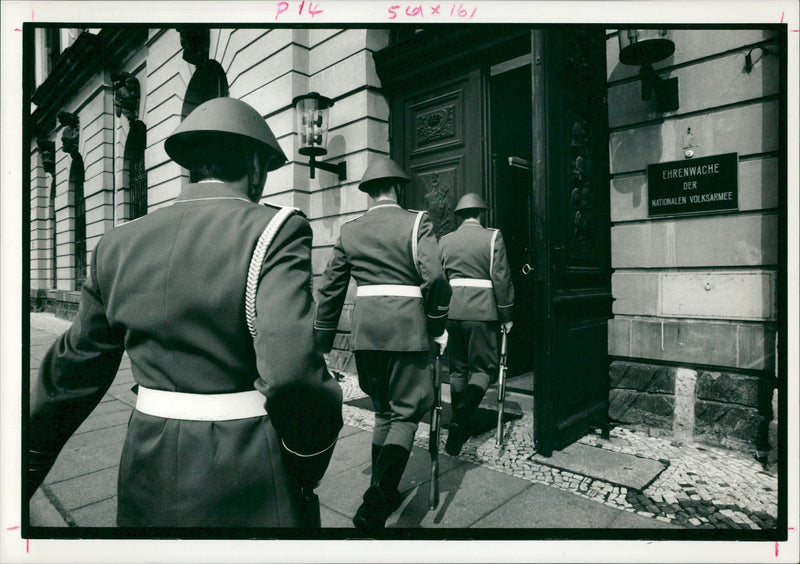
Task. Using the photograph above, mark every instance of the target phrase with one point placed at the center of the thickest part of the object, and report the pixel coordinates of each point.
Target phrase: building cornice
(406, 62)
(88, 55)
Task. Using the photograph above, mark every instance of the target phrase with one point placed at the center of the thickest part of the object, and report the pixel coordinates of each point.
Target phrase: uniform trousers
(473, 356)
(401, 388)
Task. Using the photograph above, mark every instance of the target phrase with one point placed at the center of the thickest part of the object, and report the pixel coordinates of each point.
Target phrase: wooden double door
(518, 115)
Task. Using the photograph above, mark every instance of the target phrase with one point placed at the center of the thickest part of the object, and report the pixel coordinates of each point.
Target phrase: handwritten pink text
(456, 11)
(303, 8)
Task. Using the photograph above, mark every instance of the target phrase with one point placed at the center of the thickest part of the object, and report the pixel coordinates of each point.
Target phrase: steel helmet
(382, 168)
(223, 115)
(469, 201)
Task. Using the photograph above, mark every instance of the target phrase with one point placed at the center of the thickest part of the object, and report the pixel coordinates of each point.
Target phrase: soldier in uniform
(228, 427)
(401, 304)
(474, 260)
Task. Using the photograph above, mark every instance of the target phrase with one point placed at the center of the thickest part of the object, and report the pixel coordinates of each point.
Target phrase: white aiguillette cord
(252, 285)
(255, 264)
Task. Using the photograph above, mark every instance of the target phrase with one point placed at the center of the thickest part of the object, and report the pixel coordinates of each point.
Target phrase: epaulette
(417, 211)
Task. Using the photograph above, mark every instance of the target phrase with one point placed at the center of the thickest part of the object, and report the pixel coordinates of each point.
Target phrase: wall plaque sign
(707, 184)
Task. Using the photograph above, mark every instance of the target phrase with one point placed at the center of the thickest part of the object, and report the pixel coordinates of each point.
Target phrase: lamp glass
(311, 115)
(644, 46)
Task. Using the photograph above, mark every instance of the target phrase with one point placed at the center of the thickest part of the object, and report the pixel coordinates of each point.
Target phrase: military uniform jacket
(169, 288)
(386, 246)
(475, 262)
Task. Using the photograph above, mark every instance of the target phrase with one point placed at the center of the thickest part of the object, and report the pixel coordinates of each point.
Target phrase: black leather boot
(455, 399)
(458, 434)
(382, 498)
(376, 451)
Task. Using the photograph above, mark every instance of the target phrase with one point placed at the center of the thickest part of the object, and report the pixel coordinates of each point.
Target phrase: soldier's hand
(441, 340)
(507, 326)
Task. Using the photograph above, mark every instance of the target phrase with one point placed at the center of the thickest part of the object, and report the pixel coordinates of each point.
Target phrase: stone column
(683, 421)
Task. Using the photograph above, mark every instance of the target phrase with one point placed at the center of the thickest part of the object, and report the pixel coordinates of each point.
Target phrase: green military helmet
(223, 115)
(382, 168)
(471, 201)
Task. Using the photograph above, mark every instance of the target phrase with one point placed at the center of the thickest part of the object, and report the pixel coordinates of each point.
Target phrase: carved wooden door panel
(442, 146)
(571, 230)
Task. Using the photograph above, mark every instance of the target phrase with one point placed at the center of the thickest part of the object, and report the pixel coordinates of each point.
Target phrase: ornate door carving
(441, 132)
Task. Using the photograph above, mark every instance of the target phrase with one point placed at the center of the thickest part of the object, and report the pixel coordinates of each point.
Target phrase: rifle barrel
(501, 388)
(433, 442)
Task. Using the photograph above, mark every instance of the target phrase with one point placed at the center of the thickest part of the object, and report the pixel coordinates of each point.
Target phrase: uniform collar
(209, 191)
(384, 204)
(470, 223)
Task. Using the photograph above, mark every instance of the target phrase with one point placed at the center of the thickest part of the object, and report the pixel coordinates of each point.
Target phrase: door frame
(457, 49)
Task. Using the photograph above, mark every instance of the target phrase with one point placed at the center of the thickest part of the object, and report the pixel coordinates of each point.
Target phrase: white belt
(403, 290)
(471, 282)
(200, 407)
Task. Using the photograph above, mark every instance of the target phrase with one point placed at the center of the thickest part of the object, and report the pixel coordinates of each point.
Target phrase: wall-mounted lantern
(311, 124)
(644, 47)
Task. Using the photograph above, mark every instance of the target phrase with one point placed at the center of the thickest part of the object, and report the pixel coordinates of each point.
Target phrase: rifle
(433, 445)
(501, 388)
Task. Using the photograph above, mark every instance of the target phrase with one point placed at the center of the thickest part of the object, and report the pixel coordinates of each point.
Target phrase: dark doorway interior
(510, 174)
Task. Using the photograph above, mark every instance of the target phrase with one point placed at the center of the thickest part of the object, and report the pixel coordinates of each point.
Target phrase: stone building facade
(692, 332)
(693, 336)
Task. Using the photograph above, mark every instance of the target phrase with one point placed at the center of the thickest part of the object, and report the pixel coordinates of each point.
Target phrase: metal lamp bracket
(339, 169)
(665, 91)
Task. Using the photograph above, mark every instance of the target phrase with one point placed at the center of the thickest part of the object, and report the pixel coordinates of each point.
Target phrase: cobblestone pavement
(702, 487)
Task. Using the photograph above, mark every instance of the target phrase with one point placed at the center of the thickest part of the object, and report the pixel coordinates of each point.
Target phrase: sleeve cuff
(313, 454)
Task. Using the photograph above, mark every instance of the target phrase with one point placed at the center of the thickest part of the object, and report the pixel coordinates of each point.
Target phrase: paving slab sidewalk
(476, 491)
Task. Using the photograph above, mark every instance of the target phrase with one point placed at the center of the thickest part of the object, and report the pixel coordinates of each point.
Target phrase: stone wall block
(708, 241)
(631, 407)
(772, 430)
(723, 131)
(619, 332)
(725, 424)
(703, 343)
(642, 377)
(635, 293)
(756, 347)
(646, 339)
(729, 388)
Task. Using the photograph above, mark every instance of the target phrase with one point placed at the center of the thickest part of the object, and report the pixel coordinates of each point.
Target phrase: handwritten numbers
(304, 8)
(457, 11)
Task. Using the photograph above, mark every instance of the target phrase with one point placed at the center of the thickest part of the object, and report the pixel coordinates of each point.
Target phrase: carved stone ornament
(71, 132)
(126, 95)
(195, 43)
(435, 125)
(47, 148)
(438, 187)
